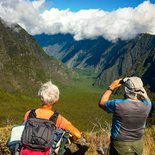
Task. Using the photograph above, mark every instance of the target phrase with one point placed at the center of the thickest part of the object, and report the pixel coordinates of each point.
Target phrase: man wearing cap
(129, 116)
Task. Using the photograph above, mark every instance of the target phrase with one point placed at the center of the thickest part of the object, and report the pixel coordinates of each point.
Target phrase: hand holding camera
(115, 84)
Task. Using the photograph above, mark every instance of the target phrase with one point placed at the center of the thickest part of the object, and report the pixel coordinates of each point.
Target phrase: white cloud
(38, 4)
(21, 12)
(123, 23)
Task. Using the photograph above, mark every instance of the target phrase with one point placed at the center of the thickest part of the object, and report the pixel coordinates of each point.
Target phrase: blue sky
(108, 5)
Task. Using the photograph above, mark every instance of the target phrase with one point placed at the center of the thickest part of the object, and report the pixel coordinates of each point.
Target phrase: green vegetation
(13, 107)
(78, 103)
(24, 64)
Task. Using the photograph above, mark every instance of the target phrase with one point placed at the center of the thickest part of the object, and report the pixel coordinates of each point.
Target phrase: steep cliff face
(109, 60)
(82, 54)
(23, 63)
(137, 57)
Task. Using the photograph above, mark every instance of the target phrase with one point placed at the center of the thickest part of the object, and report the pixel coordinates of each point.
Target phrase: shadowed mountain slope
(109, 60)
(136, 58)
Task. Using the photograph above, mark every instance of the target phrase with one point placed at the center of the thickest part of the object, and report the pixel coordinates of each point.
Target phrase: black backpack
(39, 133)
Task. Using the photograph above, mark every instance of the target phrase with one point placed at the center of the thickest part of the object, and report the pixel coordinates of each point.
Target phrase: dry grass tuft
(97, 141)
(4, 134)
(149, 141)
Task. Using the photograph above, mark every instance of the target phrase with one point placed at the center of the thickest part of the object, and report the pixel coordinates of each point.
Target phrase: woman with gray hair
(129, 116)
(49, 95)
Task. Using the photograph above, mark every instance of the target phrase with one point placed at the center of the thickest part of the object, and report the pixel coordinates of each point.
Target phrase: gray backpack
(39, 133)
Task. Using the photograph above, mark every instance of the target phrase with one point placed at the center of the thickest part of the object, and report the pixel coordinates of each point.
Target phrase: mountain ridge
(23, 63)
(110, 60)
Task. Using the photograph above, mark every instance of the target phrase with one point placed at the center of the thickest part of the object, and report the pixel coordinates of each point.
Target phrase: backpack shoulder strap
(32, 114)
(54, 117)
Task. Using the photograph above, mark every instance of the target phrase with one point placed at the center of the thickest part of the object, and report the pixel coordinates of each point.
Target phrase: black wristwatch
(110, 89)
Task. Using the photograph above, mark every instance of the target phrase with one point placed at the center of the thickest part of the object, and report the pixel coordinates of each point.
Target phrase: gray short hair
(49, 93)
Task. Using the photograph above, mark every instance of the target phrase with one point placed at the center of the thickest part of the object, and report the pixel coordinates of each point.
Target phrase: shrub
(4, 134)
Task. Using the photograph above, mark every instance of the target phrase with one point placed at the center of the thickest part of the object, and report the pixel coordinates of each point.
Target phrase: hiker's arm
(74, 131)
(26, 115)
(106, 95)
(66, 125)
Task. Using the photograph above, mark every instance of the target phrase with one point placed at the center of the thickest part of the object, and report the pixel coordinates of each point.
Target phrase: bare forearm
(105, 97)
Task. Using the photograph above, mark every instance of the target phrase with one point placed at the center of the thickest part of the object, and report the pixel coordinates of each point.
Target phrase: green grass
(78, 103)
(14, 106)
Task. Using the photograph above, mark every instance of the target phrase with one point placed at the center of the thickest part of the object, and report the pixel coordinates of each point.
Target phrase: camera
(124, 80)
(121, 82)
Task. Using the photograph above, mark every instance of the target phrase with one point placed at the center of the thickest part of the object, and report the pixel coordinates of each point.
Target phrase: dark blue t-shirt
(129, 118)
